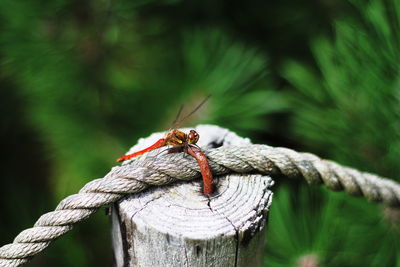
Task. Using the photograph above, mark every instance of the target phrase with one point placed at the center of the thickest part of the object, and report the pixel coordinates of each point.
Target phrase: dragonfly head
(193, 137)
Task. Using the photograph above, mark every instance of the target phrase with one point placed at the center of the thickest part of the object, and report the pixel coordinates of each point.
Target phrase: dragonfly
(179, 141)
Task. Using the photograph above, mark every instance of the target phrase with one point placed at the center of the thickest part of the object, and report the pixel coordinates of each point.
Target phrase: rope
(235, 155)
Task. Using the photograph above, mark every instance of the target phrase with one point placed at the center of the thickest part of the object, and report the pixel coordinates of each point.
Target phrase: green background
(81, 81)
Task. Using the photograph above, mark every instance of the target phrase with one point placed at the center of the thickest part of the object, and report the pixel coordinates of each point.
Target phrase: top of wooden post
(178, 226)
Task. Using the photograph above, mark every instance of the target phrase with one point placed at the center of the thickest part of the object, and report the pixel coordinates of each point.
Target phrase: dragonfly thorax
(179, 138)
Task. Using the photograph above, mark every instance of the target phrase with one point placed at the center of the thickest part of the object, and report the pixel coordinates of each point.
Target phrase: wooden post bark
(178, 226)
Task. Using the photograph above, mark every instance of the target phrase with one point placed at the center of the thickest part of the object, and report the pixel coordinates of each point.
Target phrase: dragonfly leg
(176, 149)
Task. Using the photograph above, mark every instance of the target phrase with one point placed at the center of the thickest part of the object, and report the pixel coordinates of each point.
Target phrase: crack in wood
(234, 227)
(123, 232)
(129, 234)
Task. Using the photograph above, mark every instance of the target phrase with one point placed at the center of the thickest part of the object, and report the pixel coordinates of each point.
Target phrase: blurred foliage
(81, 81)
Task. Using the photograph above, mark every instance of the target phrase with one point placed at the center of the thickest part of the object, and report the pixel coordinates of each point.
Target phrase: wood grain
(178, 226)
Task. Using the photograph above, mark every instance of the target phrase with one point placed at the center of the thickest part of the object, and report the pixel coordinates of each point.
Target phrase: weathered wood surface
(178, 226)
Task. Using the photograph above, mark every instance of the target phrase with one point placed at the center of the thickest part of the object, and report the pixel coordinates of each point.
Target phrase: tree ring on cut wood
(177, 225)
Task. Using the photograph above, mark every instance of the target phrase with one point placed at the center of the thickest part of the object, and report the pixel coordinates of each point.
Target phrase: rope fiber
(232, 154)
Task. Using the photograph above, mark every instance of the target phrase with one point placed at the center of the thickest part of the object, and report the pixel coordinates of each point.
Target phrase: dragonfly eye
(193, 137)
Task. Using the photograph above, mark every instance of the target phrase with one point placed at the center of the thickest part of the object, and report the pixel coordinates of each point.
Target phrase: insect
(182, 142)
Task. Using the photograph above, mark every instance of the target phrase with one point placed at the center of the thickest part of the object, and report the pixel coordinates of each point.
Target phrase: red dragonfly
(183, 142)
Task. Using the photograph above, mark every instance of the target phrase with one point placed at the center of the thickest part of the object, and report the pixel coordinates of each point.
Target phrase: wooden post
(178, 226)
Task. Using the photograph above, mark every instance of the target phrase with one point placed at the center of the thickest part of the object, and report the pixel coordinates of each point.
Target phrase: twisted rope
(233, 156)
